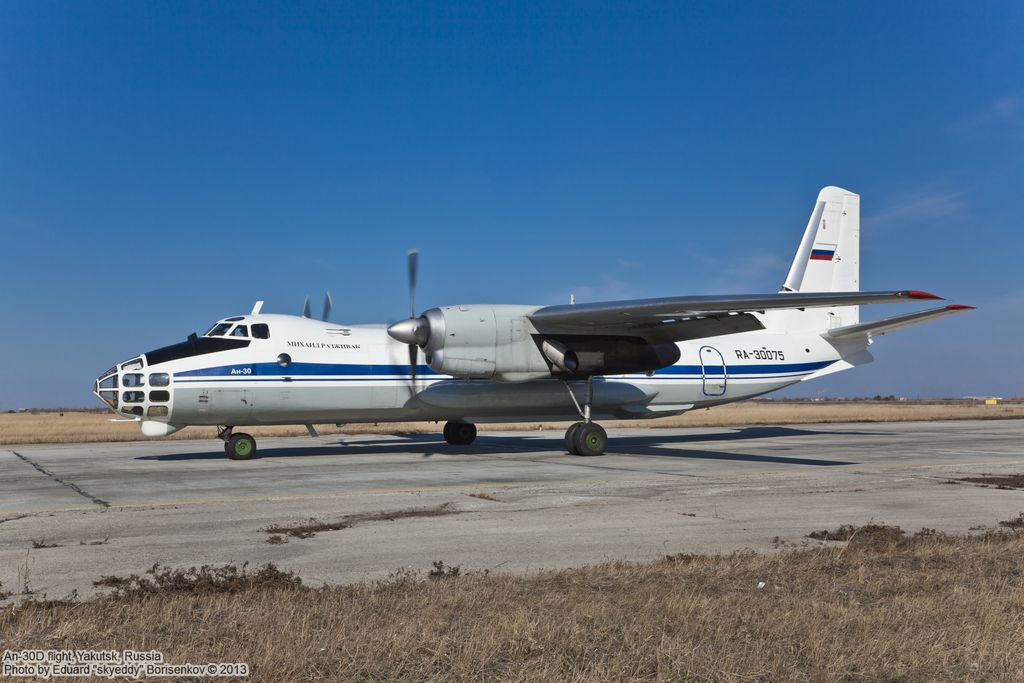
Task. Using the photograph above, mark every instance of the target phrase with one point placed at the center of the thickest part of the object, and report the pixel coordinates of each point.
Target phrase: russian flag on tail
(823, 252)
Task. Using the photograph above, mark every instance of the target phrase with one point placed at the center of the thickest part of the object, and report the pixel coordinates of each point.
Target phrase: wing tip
(960, 307)
(919, 294)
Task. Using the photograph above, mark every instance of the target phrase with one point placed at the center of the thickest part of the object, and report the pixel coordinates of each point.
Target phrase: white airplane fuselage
(342, 374)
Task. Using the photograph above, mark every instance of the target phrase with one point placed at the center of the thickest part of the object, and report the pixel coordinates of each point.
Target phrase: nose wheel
(237, 446)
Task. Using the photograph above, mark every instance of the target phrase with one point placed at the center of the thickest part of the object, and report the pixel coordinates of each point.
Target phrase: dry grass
(883, 606)
(1000, 481)
(74, 427)
(312, 527)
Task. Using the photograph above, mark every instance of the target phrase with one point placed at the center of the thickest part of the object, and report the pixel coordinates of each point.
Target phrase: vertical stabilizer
(828, 258)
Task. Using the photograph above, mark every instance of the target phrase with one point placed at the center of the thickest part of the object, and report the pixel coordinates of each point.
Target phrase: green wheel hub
(240, 447)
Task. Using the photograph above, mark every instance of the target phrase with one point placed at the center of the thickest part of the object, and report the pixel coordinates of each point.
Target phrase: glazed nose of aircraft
(124, 389)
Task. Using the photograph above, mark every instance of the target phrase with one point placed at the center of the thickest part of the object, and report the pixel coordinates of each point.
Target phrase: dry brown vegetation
(313, 526)
(882, 606)
(1000, 481)
(72, 427)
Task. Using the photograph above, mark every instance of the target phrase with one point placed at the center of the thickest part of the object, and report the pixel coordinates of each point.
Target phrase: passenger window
(160, 395)
(159, 379)
(133, 381)
(261, 331)
(158, 411)
(240, 331)
(133, 396)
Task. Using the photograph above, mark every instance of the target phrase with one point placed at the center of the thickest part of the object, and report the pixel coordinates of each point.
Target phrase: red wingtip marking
(959, 307)
(918, 294)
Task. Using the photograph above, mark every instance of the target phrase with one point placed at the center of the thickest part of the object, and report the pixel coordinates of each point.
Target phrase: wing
(681, 318)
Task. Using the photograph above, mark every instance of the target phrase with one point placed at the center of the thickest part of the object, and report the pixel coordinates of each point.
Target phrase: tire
(590, 439)
(570, 438)
(460, 433)
(240, 447)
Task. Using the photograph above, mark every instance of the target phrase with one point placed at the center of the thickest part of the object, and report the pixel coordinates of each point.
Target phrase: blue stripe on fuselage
(275, 371)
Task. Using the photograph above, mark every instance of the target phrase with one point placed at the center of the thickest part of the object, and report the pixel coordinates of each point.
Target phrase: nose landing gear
(585, 438)
(237, 446)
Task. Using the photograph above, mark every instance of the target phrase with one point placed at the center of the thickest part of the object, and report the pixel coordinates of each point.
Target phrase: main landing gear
(585, 438)
(237, 446)
(459, 433)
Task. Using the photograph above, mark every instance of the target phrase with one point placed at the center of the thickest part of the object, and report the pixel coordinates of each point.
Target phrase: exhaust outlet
(560, 355)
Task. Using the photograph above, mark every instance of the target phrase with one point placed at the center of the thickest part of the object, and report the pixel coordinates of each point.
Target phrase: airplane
(624, 360)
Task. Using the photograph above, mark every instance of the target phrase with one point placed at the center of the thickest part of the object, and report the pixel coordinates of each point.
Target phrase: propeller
(413, 330)
(328, 303)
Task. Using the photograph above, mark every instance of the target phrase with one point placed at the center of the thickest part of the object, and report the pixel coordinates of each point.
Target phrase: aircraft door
(713, 371)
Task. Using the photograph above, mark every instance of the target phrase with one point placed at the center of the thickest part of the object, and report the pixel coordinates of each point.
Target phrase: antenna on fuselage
(257, 308)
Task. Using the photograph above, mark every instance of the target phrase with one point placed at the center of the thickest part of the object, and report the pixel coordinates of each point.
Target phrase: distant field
(52, 427)
(883, 606)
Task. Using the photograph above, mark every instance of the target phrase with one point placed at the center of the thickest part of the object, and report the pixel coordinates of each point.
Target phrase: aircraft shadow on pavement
(427, 445)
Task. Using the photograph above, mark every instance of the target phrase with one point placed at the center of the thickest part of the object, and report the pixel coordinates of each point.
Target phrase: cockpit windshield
(218, 330)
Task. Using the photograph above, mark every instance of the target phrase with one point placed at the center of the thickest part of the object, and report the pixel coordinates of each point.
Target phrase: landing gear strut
(459, 433)
(585, 438)
(237, 446)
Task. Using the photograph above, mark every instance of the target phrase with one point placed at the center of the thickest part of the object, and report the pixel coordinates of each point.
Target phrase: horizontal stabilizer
(878, 327)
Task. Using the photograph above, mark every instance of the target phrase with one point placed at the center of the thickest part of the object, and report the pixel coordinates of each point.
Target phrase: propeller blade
(328, 303)
(305, 309)
(413, 360)
(414, 263)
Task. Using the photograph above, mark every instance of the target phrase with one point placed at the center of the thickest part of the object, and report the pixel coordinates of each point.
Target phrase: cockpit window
(134, 380)
(134, 364)
(261, 331)
(219, 330)
(240, 331)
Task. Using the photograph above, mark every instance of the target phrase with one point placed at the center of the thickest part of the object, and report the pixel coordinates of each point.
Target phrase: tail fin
(828, 259)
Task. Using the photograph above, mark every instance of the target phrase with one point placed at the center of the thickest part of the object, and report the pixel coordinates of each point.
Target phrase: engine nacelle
(500, 342)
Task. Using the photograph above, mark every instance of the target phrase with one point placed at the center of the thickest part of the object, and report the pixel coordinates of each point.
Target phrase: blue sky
(166, 164)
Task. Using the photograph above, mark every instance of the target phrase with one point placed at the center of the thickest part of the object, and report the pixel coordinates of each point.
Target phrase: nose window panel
(158, 411)
(133, 396)
(160, 395)
(133, 410)
(110, 397)
(159, 379)
(109, 382)
(133, 380)
(134, 364)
